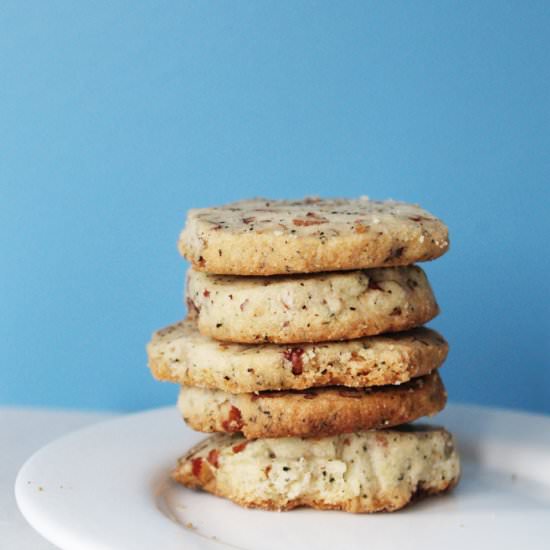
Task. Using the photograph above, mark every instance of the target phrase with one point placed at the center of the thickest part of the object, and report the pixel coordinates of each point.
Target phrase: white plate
(107, 487)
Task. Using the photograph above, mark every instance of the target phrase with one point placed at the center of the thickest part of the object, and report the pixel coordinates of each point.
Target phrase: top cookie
(270, 237)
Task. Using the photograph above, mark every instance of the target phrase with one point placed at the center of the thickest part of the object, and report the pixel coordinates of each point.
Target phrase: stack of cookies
(304, 350)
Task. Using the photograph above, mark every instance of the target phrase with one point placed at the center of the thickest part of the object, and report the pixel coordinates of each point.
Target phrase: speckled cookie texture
(310, 308)
(180, 354)
(269, 237)
(360, 472)
(311, 413)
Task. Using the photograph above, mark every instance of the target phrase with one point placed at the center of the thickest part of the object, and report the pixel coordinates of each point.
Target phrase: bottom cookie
(369, 471)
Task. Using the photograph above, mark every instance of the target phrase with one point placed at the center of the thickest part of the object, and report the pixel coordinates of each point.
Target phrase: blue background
(116, 117)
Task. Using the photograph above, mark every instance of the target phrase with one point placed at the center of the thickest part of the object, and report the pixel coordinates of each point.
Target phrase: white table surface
(22, 432)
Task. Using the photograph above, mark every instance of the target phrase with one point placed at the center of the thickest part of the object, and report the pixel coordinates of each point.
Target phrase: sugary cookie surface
(268, 237)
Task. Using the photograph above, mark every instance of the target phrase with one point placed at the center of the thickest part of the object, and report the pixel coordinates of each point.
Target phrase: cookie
(179, 353)
(313, 412)
(310, 308)
(360, 472)
(270, 237)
